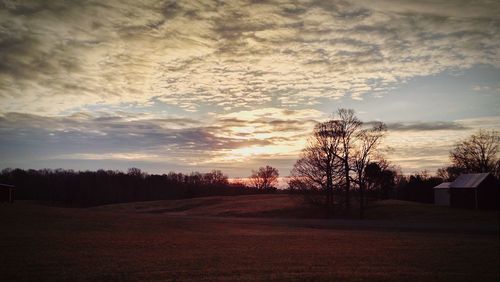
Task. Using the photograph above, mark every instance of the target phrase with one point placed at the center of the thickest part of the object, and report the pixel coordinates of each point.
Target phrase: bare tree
(449, 173)
(497, 169)
(347, 127)
(477, 153)
(215, 177)
(318, 164)
(364, 149)
(265, 178)
(337, 154)
(133, 171)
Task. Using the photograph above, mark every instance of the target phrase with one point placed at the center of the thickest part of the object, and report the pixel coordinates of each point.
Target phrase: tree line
(89, 188)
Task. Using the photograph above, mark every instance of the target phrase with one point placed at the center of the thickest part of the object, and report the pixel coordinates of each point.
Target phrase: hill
(294, 206)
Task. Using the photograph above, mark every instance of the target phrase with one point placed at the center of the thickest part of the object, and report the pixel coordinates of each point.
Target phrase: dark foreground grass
(44, 243)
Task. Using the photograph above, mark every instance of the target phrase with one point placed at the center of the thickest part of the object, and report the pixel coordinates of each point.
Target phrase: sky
(234, 85)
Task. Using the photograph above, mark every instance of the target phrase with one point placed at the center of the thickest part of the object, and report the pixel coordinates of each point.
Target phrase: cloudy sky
(234, 85)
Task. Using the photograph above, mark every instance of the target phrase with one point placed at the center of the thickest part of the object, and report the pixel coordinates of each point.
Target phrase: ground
(259, 237)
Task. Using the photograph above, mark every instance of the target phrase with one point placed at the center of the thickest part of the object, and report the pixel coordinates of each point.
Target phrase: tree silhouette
(318, 167)
(381, 179)
(264, 178)
(89, 188)
(215, 177)
(449, 173)
(477, 153)
(348, 125)
(364, 148)
(337, 154)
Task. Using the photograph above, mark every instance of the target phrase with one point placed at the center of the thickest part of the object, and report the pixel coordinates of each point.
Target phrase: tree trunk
(347, 185)
(361, 201)
(329, 192)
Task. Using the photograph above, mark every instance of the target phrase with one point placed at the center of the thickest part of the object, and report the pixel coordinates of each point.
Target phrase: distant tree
(215, 177)
(417, 187)
(86, 188)
(295, 184)
(175, 177)
(133, 171)
(264, 178)
(449, 173)
(477, 153)
(381, 179)
(195, 178)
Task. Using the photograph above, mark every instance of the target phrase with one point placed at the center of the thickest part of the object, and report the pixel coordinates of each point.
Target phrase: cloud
(111, 135)
(125, 136)
(426, 126)
(493, 88)
(202, 81)
(418, 146)
(235, 142)
(62, 57)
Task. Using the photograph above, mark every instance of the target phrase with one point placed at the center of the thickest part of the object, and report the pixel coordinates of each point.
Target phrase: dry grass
(269, 205)
(152, 241)
(417, 212)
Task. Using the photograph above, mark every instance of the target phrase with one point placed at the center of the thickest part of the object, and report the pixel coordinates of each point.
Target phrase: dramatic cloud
(60, 56)
(225, 83)
(265, 133)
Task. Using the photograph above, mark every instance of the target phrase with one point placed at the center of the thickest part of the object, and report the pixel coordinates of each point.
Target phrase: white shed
(442, 194)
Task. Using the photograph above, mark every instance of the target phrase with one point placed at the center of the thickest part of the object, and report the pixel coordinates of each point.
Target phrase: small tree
(264, 178)
(477, 153)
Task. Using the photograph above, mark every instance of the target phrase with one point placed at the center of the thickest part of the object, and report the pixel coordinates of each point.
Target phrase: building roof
(469, 180)
(444, 185)
(6, 185)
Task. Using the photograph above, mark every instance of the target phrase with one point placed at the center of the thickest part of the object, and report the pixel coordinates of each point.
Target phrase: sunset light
(249, 140)
(254, 151)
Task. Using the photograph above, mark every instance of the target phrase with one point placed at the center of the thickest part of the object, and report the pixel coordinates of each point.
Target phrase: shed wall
(489, 194)
(442, 197)
(463, 198)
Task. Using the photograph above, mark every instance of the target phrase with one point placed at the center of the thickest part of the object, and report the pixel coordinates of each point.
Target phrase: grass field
(261, 237)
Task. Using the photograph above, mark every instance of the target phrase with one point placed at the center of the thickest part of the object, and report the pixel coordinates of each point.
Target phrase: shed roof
(6, 185)
(444, 185)
(469, 180)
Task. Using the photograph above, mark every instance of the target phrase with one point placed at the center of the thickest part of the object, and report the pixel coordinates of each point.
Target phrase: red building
(475, 191)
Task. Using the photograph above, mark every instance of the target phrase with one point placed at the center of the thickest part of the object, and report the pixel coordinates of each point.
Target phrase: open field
(260, 237)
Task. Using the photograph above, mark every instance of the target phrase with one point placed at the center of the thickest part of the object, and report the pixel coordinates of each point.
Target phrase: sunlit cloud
(426, 146)
(267, 133)
(230, 55)
(221, 83)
